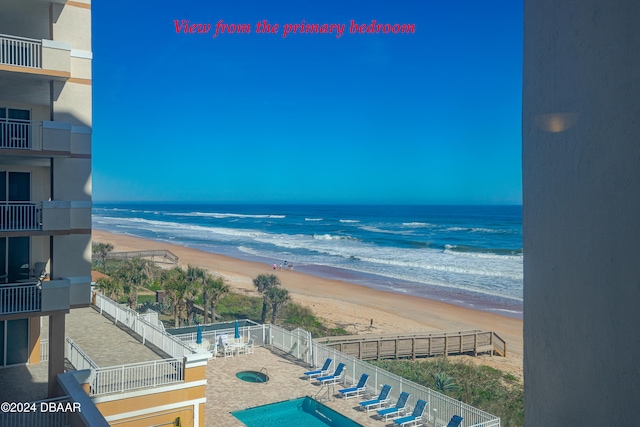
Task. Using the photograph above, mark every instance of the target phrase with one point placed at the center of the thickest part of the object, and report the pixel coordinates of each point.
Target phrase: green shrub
(483, 387)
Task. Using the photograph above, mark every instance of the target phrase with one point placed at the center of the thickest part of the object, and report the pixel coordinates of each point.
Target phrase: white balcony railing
(135, 376)
(42, 413)
(20, 51)
(20, 298)
(19, 134)
(149, 332)
(20, 216)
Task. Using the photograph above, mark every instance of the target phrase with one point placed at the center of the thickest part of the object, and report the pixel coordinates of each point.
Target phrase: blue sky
(429, 117)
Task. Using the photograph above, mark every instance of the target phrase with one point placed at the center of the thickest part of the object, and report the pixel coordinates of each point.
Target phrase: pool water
(252, 376)
(298, 412)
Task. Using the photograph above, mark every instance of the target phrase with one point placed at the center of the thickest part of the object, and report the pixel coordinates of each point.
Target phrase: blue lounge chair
(455, 421)
(400, 407)
(332, 379)
(356, 390)
(382, 398)
(320, 372)
(415, 417)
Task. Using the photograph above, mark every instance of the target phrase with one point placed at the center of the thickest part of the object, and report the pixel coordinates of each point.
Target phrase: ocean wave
(332, 237)
(418, 224)
(472, 251)
(313, 219)
(480, 230)
(225, 215)
(379, 230)
(349, 221)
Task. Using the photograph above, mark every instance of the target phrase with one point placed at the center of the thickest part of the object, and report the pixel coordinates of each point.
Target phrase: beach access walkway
(396, 346)
(163, 256)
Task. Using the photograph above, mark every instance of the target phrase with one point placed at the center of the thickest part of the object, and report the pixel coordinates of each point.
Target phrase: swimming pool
(298, 412)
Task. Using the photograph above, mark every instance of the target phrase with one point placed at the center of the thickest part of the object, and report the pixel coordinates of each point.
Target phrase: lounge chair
(382, 399)
(356, 390)
(332, 379)
(454, 421)
(415, 417)
(320, 372)
(396, 410)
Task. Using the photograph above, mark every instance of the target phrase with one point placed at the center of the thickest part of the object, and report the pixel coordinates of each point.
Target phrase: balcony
(20, 216)
(51, 138)
(36, 56)
(20, 298)
(50, 215)
(45, 296)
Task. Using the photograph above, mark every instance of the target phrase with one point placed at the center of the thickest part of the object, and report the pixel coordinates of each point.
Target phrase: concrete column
(56, 350)
(581, 212)
(34, 340)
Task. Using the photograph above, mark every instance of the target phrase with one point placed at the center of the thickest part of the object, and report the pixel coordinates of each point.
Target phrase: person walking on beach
(280, 266)
(274, 266)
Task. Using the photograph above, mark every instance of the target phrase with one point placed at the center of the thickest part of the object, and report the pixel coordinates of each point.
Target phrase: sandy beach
(348, 305)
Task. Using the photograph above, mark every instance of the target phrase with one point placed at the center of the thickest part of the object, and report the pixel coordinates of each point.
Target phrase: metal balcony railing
(20, 298)
(20, 216)
(20, 51)
(19, 134)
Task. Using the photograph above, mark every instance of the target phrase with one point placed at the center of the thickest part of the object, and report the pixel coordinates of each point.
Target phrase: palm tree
(264, 282)
(182, 292)
(277, 297)
(169, 280)
(110, 287)
(134, 274)
(213, 290)
(102, 250)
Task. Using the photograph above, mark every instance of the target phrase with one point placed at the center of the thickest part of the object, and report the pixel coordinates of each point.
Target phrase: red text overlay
(184, 26)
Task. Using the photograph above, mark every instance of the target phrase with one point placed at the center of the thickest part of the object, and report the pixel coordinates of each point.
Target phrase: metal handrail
(20, 298)
(20, 51)
(20, 216)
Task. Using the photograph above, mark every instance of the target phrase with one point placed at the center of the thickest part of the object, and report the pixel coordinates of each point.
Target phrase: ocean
(465, 255)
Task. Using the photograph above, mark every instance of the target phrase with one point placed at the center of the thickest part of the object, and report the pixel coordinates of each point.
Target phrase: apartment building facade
(45, 175)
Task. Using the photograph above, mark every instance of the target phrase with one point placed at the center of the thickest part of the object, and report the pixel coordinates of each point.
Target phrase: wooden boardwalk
(395, 346)
(165, 256)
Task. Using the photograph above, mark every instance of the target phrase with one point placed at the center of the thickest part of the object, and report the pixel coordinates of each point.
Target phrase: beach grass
(484, 387)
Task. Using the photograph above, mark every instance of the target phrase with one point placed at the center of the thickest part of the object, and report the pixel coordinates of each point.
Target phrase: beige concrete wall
(56, 56)
(80, 66)
(72, 179)
(73, 104)
(81, 140)
(581, 187)
(56, 136)
(73, 25)
(74, 259)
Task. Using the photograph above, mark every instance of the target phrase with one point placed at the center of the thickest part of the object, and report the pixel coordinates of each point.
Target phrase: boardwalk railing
(149, 332)
(20, 51)
(38, 414)
(394, 346)
(20, 216)
(116, 379)
(20, 298)
(166, 255)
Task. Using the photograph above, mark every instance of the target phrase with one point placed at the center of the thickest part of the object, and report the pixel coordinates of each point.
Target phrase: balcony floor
(24, 383)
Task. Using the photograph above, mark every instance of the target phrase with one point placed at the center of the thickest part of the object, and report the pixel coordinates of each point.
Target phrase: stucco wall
(581, 186)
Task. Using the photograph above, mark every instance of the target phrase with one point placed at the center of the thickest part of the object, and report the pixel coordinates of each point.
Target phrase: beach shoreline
(344, 304)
